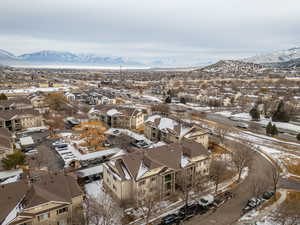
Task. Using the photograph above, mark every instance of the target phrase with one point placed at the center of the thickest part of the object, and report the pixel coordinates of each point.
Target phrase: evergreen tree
(12, 160)
(274, 130)
(3, 96)
(298, 137)
(182, 100)
(269, 129)
(254, 113)
(168, 99)
(280, 114)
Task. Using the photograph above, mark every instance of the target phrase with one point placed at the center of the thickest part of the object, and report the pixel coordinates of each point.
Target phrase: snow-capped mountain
(275, 57)
(59, 57)
(70, 58)
(5, 55)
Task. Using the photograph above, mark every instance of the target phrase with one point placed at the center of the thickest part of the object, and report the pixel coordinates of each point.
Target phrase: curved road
(230, 212)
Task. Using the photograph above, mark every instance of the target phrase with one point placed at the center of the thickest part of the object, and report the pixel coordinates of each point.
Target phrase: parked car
(169, 219)
(242, 125)
(252, 204)
(206, 201)
(268, 195)
(188, 211)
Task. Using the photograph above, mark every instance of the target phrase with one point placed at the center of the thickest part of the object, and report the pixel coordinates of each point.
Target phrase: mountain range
(62, 58)
(282, 59)
(275, 57)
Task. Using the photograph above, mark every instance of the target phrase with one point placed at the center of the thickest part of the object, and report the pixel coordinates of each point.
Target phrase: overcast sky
(204, 30)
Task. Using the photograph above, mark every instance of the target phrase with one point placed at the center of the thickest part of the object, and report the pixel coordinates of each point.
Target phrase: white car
(206, 200)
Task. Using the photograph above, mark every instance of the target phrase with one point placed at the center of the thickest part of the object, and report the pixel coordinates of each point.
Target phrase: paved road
(48, 157)
(230, 212)
(289, 184)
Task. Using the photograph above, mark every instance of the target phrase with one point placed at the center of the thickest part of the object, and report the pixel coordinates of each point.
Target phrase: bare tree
(258, 187)
(275, 175)
(217, 172)
(241, 156)
(101, 210)
(147, 201)
(221, 132)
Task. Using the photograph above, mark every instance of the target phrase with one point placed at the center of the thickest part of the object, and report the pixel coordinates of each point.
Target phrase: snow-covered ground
(271, 147)
(151, 98)
(95, 189)
(33, 90)
(263, 121)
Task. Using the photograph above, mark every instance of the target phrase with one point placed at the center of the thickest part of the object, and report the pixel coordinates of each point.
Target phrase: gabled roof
(14, 114)
(48, 188)
(168, 125)
(112, 110)
(10, 195)
(173, 156)
(15, 101)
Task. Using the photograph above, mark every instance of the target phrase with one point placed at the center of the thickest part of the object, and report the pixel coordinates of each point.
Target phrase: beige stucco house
(49, 200)
(118, 116)
(159, 128)
(132, 177)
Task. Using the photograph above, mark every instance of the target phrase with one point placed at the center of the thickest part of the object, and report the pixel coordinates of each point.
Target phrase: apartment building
(132, 177)
(159, 128)
(49, 200)
(118, 116)
(6, 144)
(19, 119)
(15, 104)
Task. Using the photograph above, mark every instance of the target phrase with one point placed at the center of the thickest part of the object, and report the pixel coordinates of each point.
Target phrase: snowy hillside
(279, 56)
(232, 66)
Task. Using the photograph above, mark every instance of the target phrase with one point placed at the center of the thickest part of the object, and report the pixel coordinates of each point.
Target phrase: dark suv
(169, 219)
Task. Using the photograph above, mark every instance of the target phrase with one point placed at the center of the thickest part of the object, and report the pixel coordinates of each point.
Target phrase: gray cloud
(188, 30)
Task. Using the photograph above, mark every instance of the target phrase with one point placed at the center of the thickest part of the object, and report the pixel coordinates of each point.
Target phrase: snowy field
(33, 90)
(264, 121)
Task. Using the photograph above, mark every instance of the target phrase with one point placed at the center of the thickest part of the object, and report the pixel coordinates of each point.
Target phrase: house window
(61, 222)
(153, 179)
(142, 182)
(168, 186)
(168, 178)
(62, 210)
(114, 187)
(44, 216)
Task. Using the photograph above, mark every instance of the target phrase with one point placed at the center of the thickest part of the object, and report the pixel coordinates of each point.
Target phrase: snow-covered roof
(10, 173)
(90, 171)
(184, 161)
(142, 170)
(26, 141)
(100, 154)
(112, 112)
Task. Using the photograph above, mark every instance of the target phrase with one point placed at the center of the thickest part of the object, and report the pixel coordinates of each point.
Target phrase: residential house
(118, 116)
(15, 103)
(159, 128)
(20, 119)
(39, 102)
(132, 177)
(6, 144)
(50, 199)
